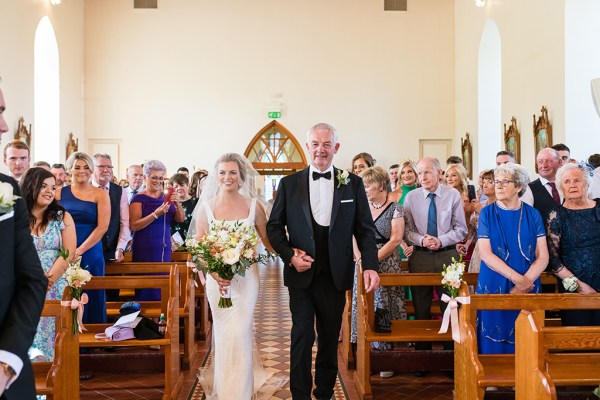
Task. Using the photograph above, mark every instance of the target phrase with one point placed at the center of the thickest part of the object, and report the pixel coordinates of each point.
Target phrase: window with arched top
(275, 151)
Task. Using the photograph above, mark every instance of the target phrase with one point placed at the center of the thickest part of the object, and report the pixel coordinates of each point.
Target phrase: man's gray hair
(322, 126)
(153, 165)
(102, 155)
(518, 174)
(570, 167)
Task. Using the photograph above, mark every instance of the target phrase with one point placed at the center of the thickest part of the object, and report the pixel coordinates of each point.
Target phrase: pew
(59, 379)
(402, 330)
(152, 309)
(169, 306)
(539, 368)
(474, 372)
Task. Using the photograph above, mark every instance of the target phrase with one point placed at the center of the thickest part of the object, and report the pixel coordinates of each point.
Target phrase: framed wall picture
(23, 134)
(542, 132)
(512, 139)
(466, 150)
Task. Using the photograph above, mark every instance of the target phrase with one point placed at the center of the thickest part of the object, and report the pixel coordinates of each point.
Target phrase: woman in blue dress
(150, 217)
(512, 243)
(574, 240)
(52, 228)
(90, 209)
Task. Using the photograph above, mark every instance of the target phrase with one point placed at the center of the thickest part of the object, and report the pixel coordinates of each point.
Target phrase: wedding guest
(362, 161)
(512, 243)
(503, 157)
(543, 194)
(135, 177)
(17, 158)
(407, 182)
(52, 229)
(394, 169)
(150, 217)
(574, 240)
(42, 164)
(23, 289)
(58, 170)
(456, 177)
(197, 180)
(388, 216)
(184, 171)
(90, 209)
(180, 183)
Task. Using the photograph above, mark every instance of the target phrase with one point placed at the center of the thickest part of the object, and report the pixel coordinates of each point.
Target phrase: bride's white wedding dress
(236, 371)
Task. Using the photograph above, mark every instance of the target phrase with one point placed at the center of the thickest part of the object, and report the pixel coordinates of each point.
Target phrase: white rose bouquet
(76, 277)
(452, 276)
(227, 249)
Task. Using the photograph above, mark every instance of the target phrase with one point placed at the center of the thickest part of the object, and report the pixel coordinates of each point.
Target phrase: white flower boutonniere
(7, 198)
(342, 178)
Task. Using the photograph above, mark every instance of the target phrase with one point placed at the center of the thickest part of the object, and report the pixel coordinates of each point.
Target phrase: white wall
(582, 64)
(192, 80)
(533, 73)
(17, 30)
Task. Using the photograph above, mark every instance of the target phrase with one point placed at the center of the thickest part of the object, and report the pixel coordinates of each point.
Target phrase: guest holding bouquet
(52, 229)
(512, 242)
(574, 240)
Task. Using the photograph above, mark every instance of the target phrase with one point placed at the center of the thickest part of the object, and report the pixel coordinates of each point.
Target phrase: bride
(236, 371)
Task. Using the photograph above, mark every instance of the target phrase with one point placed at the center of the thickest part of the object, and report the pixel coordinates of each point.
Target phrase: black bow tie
(317, 175)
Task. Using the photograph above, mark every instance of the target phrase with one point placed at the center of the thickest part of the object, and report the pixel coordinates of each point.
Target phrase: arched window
(489, 96)
(275, 151)
(46, 127)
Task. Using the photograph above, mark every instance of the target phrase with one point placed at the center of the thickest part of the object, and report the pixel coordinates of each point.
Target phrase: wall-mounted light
(480, 3)
(55, 2)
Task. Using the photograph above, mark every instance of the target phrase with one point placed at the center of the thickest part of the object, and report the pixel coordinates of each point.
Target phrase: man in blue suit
(22, 289)
(315, 215)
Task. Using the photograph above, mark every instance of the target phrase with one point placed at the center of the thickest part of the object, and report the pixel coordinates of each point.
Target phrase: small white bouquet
(452, 276)
(76, 277)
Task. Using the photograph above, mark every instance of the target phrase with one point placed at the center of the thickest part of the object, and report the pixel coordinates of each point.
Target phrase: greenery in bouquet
(227, 249)
(76, 277)
(452, 276)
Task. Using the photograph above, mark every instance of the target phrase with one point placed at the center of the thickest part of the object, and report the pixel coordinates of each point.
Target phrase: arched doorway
(274, 152)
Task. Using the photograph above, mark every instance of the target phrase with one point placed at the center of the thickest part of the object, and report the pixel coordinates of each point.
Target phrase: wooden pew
(402, 330)
(169, 306)
(539, 370)
(152, 309)
(474, 372)
(59, 379)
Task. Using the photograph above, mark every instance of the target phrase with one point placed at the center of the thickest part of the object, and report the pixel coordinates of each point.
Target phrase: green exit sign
(274, 114)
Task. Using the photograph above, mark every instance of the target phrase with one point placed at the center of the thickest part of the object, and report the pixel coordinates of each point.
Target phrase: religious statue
(72, 145)
(22, 133)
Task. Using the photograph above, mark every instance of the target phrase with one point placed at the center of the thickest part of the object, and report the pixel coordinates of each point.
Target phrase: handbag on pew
(146, 328)
(383, 322)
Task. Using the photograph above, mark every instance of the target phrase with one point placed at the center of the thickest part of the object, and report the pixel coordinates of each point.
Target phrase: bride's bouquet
(227, 249)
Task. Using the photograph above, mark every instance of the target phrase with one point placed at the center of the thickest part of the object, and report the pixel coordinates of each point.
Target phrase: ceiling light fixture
(55, 2)
(480, 3)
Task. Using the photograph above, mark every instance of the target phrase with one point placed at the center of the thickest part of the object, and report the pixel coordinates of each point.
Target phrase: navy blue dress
(85, 216)
(505, 228)
(574, 242)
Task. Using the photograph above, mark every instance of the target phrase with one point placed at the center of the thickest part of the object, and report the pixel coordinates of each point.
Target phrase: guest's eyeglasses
(503, 182)
(156, 178)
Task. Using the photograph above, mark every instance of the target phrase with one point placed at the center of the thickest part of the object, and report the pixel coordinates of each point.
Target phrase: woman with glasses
(90, 208)
(512, 244)
(150, 217)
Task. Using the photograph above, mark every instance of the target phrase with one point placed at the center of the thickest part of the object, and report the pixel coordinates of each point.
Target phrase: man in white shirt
(543, 193)
(135, 177)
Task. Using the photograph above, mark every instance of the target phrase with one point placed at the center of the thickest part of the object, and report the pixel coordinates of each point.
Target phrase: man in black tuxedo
(22, 290)
(315, 215)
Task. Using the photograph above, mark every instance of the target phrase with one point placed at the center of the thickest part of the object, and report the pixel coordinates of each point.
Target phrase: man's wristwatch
(8, 370)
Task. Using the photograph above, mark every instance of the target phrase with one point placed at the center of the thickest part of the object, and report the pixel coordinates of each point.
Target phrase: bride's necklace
(378, 206)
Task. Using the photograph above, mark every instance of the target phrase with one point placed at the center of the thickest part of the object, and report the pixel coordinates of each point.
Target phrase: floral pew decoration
(452, 279)
(76, 277)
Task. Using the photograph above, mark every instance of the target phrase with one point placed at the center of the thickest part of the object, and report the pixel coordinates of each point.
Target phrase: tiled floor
(272, 319)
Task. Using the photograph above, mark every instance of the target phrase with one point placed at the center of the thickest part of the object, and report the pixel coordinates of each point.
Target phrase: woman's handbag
(383, 323)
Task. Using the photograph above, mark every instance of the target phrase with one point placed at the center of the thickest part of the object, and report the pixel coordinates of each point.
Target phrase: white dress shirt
(595, 188)
(528, 195)
(14, 362)
(321, 195)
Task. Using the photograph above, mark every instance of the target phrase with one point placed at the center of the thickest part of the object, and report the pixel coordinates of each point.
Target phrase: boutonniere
(7, 198)
(342, 178)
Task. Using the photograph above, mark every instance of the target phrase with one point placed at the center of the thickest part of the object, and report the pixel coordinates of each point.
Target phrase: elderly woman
(512, 243)
(574, 240)
(150, 217)
(90, 209)
(487, 184)
(361, 162)
(389, 230)
(52, 229)
(180, 183)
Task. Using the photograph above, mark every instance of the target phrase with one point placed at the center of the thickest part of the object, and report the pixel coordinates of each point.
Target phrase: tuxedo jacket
(22, 292)
(290, 225)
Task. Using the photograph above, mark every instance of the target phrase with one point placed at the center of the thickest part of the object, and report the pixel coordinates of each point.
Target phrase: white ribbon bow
(77, 305)
(451, 315)
(198, 272)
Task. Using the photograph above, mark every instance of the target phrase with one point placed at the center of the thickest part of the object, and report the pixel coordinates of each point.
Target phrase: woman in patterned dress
(388, 216)
(52, 228)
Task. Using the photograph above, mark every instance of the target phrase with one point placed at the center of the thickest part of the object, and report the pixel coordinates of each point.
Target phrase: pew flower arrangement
(452, 279)
(227, 249)
(597, 392)
(76, 277)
